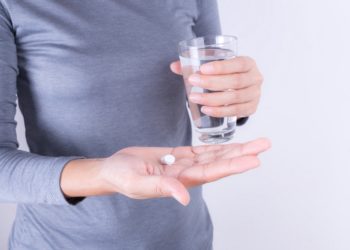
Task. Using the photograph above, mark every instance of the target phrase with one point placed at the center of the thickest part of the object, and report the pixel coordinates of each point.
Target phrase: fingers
(227, 160)
(239, 110)
(251, 147)
(227, 81)
(233, 150)
(158, 186)
(176, 67)
(216, 99)
(216, 170)
(255, 146)
(237, 83)
(235, 65)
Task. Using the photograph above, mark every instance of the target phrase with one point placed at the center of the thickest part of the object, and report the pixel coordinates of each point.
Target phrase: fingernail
(205, 109)
(194, 79)
(207, 68)
(177, 197)
(194, 98)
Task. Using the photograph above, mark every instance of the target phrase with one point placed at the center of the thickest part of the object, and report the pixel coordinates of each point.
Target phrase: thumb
(176, 67)
(163, 186)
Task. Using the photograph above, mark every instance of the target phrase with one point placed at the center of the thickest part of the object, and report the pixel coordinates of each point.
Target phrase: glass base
(216, 138)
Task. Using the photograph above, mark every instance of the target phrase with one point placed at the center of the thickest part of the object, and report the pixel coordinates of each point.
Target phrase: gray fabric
(92, 77)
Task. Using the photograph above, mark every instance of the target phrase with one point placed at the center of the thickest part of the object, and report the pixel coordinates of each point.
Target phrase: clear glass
(193, 53)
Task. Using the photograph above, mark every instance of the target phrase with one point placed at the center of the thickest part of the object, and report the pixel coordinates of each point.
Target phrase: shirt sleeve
(207, 21)
(24, 177)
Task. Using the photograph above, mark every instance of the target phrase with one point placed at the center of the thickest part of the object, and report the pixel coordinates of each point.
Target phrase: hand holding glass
(194, 53)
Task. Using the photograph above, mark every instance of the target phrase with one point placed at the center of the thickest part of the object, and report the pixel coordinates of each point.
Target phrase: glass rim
(184, 43)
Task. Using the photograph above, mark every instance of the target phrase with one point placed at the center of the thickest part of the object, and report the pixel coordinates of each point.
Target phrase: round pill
(168, 159)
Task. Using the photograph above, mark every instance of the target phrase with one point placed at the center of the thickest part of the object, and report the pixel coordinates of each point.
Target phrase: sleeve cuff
(241, 121)
(55, 195)
(74, 200)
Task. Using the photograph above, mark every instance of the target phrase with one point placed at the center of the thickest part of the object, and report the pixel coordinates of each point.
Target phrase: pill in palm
(168, 159)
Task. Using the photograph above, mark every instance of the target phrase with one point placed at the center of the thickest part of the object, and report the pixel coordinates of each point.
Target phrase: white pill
(168, 159)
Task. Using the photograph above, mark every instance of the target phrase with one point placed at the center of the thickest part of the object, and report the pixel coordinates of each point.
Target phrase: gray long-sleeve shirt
(92, 77)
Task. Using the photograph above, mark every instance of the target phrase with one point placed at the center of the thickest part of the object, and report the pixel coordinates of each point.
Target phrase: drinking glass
(193, 53)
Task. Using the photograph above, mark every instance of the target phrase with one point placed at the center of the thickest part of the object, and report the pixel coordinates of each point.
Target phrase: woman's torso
(94, 78)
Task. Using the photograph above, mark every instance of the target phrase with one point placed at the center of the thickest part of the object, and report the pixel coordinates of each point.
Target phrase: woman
(92, 80)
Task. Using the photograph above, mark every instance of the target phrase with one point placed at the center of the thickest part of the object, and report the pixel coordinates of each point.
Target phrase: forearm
(30, 178)
(83, 177)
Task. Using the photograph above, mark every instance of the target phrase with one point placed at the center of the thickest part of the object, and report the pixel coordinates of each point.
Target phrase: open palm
(138, 173)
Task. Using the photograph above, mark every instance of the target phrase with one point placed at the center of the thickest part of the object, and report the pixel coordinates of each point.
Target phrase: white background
(299, 199)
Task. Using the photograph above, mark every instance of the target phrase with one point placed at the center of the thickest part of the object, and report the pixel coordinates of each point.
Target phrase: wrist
(83, 177)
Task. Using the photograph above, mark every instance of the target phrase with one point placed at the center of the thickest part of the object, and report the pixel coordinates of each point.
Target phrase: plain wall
(299, 199)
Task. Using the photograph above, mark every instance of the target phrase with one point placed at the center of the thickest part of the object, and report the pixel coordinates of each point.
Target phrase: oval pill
(168, 159)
